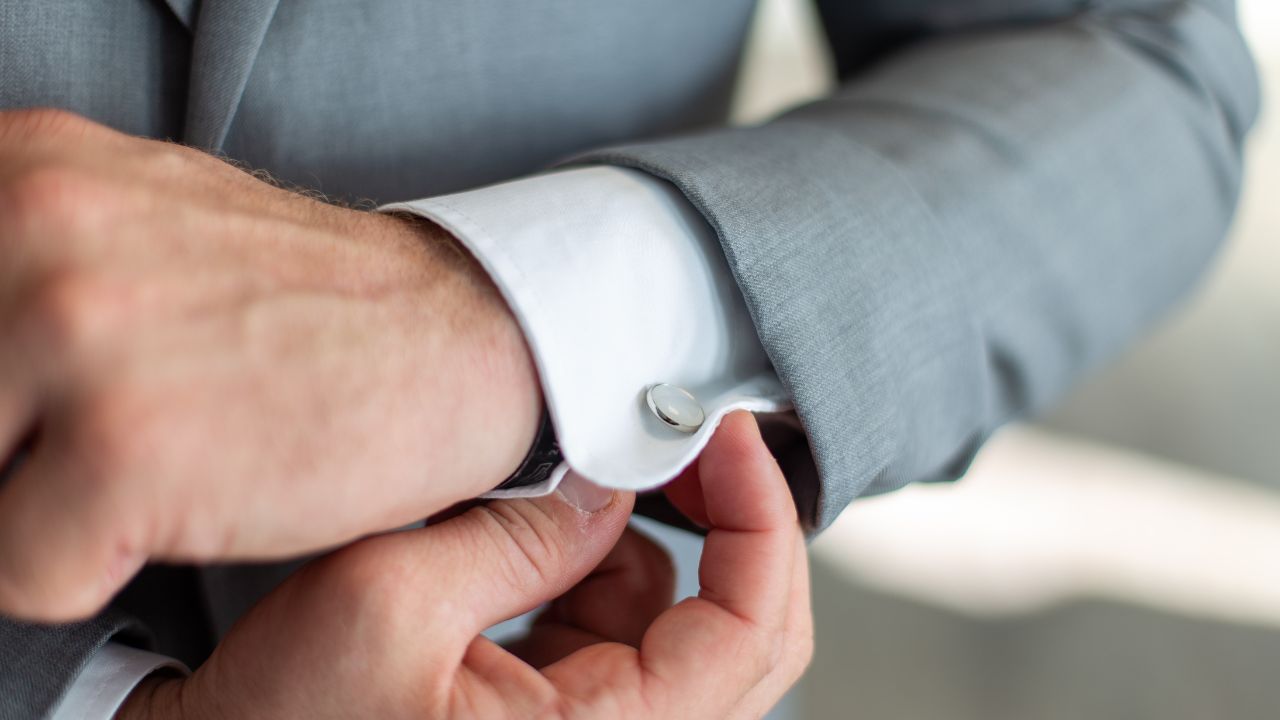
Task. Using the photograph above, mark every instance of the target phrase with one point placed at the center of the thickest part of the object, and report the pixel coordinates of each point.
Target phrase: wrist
(497, 377)
(155, 698)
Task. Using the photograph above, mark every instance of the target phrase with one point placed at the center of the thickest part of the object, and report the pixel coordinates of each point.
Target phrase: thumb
(507, 557)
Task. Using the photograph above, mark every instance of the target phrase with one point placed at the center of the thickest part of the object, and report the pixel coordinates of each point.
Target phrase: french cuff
(619, 284)
(107, 679)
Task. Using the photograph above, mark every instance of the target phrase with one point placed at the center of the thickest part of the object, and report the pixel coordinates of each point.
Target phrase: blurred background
(1120, 559)
(1117, 560)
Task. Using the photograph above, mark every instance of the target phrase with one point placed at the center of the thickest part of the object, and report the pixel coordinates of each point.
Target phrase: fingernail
(584, 494)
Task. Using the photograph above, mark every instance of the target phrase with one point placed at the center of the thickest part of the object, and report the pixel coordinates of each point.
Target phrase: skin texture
(389, 627)
(207, 367)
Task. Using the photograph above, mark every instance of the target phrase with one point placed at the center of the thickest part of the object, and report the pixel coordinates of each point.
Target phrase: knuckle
(193, 531)
(366, 573)
(801, 649)
(45, 190)
(527, 540)
(104, 448)
(70, 307)
(775, 648)
(368, 589)
(165, 161)
(107, 431)
(374, 607)
(346, 578)
(763, 651)
(55, 198)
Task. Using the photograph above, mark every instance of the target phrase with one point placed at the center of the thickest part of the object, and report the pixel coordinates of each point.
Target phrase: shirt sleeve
(107, 679)
(619, 284)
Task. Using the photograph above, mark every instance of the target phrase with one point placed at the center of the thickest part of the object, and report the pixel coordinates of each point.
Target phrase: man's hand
(206, 366)
(389, 627)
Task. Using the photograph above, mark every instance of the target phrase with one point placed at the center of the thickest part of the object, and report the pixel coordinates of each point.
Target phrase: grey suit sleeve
(975, 218)
(38, 663)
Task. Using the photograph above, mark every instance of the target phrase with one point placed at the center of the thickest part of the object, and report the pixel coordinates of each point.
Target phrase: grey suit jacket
(1000, 194)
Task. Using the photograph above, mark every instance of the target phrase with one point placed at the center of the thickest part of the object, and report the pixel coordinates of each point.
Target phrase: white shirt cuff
(618, 284)
(107, 679)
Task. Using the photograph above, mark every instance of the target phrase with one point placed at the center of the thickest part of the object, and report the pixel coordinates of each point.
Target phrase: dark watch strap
(543, 457)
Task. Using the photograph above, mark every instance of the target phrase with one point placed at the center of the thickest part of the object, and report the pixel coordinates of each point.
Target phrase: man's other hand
(390, 626)
(201, 365)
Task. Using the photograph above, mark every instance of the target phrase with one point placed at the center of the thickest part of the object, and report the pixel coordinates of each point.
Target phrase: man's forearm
(971, 224)
(196, 350)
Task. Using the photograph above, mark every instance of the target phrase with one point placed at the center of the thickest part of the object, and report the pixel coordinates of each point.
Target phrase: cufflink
(675, 406)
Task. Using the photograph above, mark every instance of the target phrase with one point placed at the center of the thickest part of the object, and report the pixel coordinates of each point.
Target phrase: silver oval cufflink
(675, 406)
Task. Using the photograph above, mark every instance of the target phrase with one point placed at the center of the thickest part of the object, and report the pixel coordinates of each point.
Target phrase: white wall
(1205, 387)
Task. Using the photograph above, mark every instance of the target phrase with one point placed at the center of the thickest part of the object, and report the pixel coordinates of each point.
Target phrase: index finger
(733, 630)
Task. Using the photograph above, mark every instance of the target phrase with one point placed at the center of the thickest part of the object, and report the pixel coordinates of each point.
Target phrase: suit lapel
(185, 10)
(228, 35)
